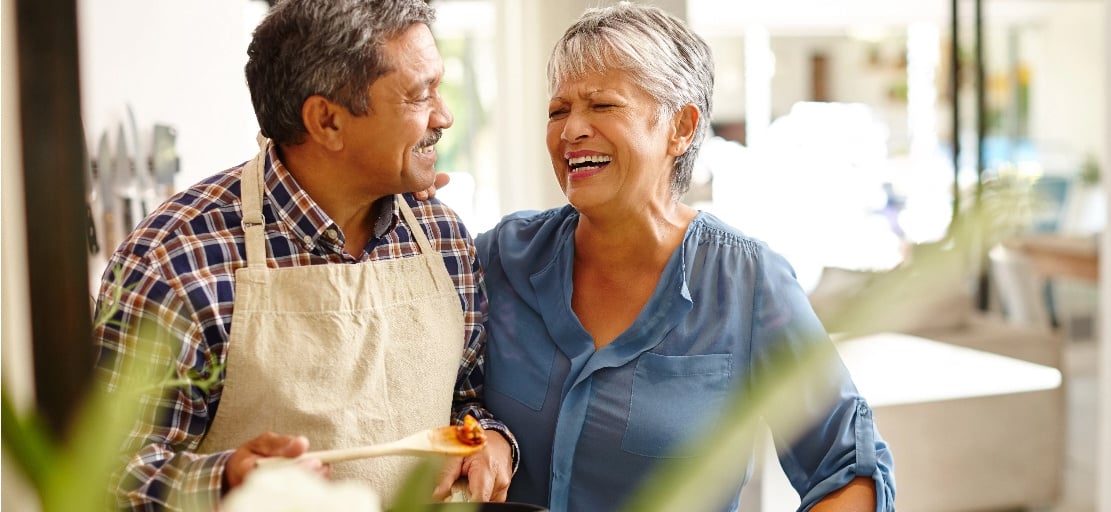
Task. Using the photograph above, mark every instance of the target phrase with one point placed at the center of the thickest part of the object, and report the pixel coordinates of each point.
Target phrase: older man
(357, 308)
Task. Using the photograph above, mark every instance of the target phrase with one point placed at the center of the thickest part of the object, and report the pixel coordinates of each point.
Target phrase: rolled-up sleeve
(847, 447)
(839, 440)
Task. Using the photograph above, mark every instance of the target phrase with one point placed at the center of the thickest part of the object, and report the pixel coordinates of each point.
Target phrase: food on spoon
(470, 432)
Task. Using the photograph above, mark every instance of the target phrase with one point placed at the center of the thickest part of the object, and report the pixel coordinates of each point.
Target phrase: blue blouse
(591, 424)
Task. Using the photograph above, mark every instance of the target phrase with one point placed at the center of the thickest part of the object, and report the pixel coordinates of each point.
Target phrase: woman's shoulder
(527, 235)
(538, 219)
(725, 248)
(531, 226)
(708, 229)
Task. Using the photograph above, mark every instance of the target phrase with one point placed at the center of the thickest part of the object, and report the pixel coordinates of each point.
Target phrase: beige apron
(345, 354)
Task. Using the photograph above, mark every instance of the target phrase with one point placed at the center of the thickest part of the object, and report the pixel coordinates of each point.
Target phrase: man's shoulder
(206, 209)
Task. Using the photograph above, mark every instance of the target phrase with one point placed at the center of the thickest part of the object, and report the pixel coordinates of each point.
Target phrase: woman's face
(607, 144)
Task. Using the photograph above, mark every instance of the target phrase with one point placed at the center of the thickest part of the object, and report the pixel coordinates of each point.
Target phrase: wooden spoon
(439, 440)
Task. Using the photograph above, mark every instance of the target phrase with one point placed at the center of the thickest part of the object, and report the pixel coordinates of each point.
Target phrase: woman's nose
(575, 127)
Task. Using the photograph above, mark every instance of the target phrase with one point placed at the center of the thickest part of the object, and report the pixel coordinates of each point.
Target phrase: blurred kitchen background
(850, 135)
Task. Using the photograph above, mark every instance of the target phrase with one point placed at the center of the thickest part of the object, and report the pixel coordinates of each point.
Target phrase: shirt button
(331, 234)
(862, 409)
(307, 240)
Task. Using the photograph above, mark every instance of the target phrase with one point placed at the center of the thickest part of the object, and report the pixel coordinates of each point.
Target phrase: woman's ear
(683, 125)
(322, 120)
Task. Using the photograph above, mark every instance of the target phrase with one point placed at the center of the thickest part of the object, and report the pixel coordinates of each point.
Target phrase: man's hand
(488, 472)
(441, 181)
(244, 459)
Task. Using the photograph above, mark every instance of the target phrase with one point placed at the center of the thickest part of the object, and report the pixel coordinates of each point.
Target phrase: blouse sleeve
(828, 436)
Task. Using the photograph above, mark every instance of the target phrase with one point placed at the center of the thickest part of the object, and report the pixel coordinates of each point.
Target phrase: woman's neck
(643, 239)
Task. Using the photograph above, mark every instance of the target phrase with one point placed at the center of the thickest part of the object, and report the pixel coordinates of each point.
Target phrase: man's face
(393, 144)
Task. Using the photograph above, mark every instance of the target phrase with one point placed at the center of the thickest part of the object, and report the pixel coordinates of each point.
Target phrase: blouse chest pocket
(673, 398)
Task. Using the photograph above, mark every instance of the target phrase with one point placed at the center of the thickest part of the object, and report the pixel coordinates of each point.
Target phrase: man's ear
(321, 118)
(683, 125)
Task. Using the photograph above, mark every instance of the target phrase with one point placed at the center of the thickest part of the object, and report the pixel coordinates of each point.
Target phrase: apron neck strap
(251, 194)
(254, 225)
(414, 226)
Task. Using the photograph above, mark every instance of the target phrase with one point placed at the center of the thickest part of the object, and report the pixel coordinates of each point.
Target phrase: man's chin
(422, 181)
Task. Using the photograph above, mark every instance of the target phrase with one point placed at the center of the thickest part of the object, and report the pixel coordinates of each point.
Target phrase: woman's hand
(441, 181)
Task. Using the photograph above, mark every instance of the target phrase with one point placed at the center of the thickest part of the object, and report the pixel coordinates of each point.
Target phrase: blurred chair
(1020, 291)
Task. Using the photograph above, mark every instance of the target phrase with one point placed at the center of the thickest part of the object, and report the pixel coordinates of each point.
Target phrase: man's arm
(151, 352)
(488, 472)
(147, 350)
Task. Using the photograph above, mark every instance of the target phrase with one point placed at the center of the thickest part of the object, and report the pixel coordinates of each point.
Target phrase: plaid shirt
(176, 271)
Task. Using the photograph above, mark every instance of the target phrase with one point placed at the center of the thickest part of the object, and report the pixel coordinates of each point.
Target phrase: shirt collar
(304, 218)
(389, 213)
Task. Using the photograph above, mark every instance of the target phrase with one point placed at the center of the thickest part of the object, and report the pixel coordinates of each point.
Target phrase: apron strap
(251, 192)
(253, 223)
(414, 227)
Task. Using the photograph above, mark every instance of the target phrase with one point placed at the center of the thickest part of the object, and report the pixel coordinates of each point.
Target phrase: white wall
(1068, 90)
(1103, 458)
(176, 63)
(527, 32)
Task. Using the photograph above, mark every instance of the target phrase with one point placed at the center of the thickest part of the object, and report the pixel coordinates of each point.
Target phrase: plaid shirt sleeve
(468, 395)
(145, 337)
(461, 259)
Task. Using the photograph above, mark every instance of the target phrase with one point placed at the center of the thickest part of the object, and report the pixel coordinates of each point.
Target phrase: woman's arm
(859, 495)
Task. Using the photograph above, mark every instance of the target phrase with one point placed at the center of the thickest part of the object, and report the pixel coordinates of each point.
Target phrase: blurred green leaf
(26, 441)
(418, 485)
(709, 479)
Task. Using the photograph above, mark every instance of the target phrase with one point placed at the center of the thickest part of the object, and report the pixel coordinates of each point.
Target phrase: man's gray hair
(660, 53)
(328, 47)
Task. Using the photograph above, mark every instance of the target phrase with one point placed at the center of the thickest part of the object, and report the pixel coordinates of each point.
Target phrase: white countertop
(894, 369)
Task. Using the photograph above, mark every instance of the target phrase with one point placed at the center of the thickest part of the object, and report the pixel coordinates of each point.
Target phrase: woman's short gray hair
(661, 54)
(328, 47)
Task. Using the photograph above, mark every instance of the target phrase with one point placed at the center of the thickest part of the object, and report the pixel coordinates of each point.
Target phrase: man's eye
(552, 114)
(603, 106)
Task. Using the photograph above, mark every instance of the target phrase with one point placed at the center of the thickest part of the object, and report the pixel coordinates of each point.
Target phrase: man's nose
(441, 115)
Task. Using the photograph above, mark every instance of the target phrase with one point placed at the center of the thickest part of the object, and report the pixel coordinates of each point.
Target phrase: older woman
(620, 323)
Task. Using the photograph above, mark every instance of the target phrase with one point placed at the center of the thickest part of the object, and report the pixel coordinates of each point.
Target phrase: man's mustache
(432, 138)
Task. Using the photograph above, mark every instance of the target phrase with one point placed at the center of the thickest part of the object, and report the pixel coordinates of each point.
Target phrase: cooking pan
(483, 507)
